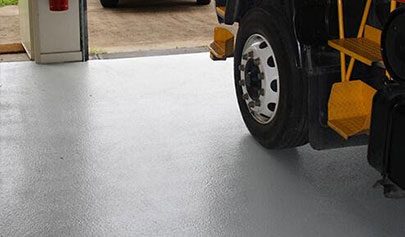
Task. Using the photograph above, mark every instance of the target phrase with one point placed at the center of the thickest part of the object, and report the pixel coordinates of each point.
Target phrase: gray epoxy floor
(156, 147)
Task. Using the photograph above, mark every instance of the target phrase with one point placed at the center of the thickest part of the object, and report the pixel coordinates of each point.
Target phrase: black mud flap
(323, 71)
(386, 151)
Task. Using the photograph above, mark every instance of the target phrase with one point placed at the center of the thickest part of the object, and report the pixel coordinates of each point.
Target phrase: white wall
(55, 35)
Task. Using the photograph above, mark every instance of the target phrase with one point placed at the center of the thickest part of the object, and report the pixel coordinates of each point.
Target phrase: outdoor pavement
(139, 25)
(136, 25)
(156, 146)
(9, 25)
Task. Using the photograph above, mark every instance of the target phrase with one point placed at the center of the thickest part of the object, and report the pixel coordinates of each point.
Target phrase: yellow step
(350, 126)
(349, 108)
(366, 49)
(362, 49)
(223, 45)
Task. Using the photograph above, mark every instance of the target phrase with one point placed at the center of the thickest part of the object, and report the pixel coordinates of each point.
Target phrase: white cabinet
(49, 36)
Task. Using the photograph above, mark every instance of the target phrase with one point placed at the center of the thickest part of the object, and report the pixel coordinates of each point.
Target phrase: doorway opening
(149, 27)
(126, 29)
(11, 48)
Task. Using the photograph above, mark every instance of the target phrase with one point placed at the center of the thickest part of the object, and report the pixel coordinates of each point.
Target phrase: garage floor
(156, 147)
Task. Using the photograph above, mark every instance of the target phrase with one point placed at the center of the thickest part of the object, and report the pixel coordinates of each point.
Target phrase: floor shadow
(287, 157)
(341, 178)
(340, 174)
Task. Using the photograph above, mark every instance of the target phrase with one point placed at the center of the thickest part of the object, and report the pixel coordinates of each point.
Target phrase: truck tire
(271, 94)
(109, 3)
(203, 2)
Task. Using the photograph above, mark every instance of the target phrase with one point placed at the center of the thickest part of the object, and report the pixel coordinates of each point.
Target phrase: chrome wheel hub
(259, 79)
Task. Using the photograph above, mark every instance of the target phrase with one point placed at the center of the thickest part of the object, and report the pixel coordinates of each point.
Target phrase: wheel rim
(259, 79)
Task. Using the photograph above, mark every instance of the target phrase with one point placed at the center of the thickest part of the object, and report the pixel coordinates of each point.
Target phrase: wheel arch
(236, 9)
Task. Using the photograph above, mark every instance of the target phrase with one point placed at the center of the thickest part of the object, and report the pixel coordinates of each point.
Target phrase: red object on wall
(58, 5)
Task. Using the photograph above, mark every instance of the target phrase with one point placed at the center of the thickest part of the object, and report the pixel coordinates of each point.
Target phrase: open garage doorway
(10, 41)
(149, 27)
(132, 28)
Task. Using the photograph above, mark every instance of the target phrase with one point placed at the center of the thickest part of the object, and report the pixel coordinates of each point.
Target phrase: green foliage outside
(8, 2)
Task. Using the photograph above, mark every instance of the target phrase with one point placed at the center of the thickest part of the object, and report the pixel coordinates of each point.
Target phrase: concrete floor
(156, 147)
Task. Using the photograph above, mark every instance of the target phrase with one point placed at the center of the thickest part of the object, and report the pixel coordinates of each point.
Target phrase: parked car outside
(114, 3)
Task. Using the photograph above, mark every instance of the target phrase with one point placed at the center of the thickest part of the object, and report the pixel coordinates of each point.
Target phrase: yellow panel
(217, 51)
(348, 127)
(373, 34)
(349, 108)
(223, 44)
(362, 49)
(221, 11)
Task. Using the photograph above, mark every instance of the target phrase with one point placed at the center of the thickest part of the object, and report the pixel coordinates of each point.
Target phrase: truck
(330, 73)
(114, 3)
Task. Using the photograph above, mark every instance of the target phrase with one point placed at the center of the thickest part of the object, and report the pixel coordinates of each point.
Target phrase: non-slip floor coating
(156, 147)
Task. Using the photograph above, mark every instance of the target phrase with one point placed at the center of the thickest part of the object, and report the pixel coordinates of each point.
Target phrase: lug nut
(241, 67)
(251, 104)
(242, 82)
(245, 57)
(245, 96)
(257, 103)
(250, 54)
(260, 76)
(257, 61)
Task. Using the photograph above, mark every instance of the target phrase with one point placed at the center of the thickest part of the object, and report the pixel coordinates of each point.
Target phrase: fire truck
(330, 73)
